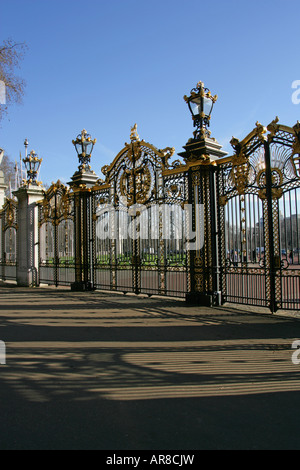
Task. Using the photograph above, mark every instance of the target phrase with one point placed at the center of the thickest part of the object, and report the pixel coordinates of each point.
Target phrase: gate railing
(210, 228)
(56, 236)
(8, 240)
(132, 232)
(259, 219)
(138, 218)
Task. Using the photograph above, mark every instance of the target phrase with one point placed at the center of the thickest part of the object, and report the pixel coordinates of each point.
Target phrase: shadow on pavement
(96, 371)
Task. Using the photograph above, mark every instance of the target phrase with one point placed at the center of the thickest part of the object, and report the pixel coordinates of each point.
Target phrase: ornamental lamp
(84, 146)
(201, 103)
(32, 164)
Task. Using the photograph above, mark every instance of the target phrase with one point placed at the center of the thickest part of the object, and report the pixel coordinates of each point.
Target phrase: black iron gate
(8, 240)
(259, 219)
(135, 230)
(56, 237)
(139, 241)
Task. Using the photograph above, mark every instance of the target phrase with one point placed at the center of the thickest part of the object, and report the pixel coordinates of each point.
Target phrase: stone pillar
(28, 235)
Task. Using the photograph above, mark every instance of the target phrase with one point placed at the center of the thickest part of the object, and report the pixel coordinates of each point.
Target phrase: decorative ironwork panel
(175, 254)
(259, 203)
(139, 223)
(56, 236)
(8, 240)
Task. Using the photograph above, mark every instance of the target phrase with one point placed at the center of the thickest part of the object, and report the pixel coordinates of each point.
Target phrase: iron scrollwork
(259, 190)
(129, 207)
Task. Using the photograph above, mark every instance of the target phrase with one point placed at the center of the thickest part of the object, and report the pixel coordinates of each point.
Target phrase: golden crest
(135, 185)
(240, 172)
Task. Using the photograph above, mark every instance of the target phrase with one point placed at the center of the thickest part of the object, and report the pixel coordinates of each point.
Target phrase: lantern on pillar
(201, 103)
(32, 164)
(84, 145)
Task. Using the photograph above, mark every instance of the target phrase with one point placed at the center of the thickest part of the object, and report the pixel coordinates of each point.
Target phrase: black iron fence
(139, 236)
(259, 219)
(8, 240)
(56, 237)
(211, 229)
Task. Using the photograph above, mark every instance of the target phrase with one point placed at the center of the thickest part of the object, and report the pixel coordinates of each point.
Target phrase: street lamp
(82, 181)
(201, 103)
(84, 147)
(32, 164)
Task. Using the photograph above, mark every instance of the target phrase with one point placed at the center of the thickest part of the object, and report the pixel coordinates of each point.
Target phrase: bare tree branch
(11, 54)
(8, 168)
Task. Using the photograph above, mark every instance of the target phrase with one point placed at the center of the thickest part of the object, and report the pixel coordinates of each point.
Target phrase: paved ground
(99, 371)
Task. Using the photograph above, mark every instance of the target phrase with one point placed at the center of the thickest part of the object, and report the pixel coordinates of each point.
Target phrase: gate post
(82, 182)
(28, 235)
(83, 233)
(200, 155)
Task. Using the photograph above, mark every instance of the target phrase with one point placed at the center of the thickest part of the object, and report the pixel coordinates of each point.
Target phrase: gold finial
(297, 127)
(134, 137)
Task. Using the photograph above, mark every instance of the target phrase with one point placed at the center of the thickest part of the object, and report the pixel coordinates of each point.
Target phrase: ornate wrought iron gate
(259, 219)
(8, 240)
(132, 233)
(139, 242)
(56, 237)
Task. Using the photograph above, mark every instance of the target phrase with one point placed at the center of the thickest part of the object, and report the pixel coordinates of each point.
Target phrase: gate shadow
(143, 374)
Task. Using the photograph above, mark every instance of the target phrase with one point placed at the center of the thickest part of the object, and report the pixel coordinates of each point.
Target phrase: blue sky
(104, 65)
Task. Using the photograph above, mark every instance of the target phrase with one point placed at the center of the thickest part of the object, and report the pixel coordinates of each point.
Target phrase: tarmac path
(114, 372)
